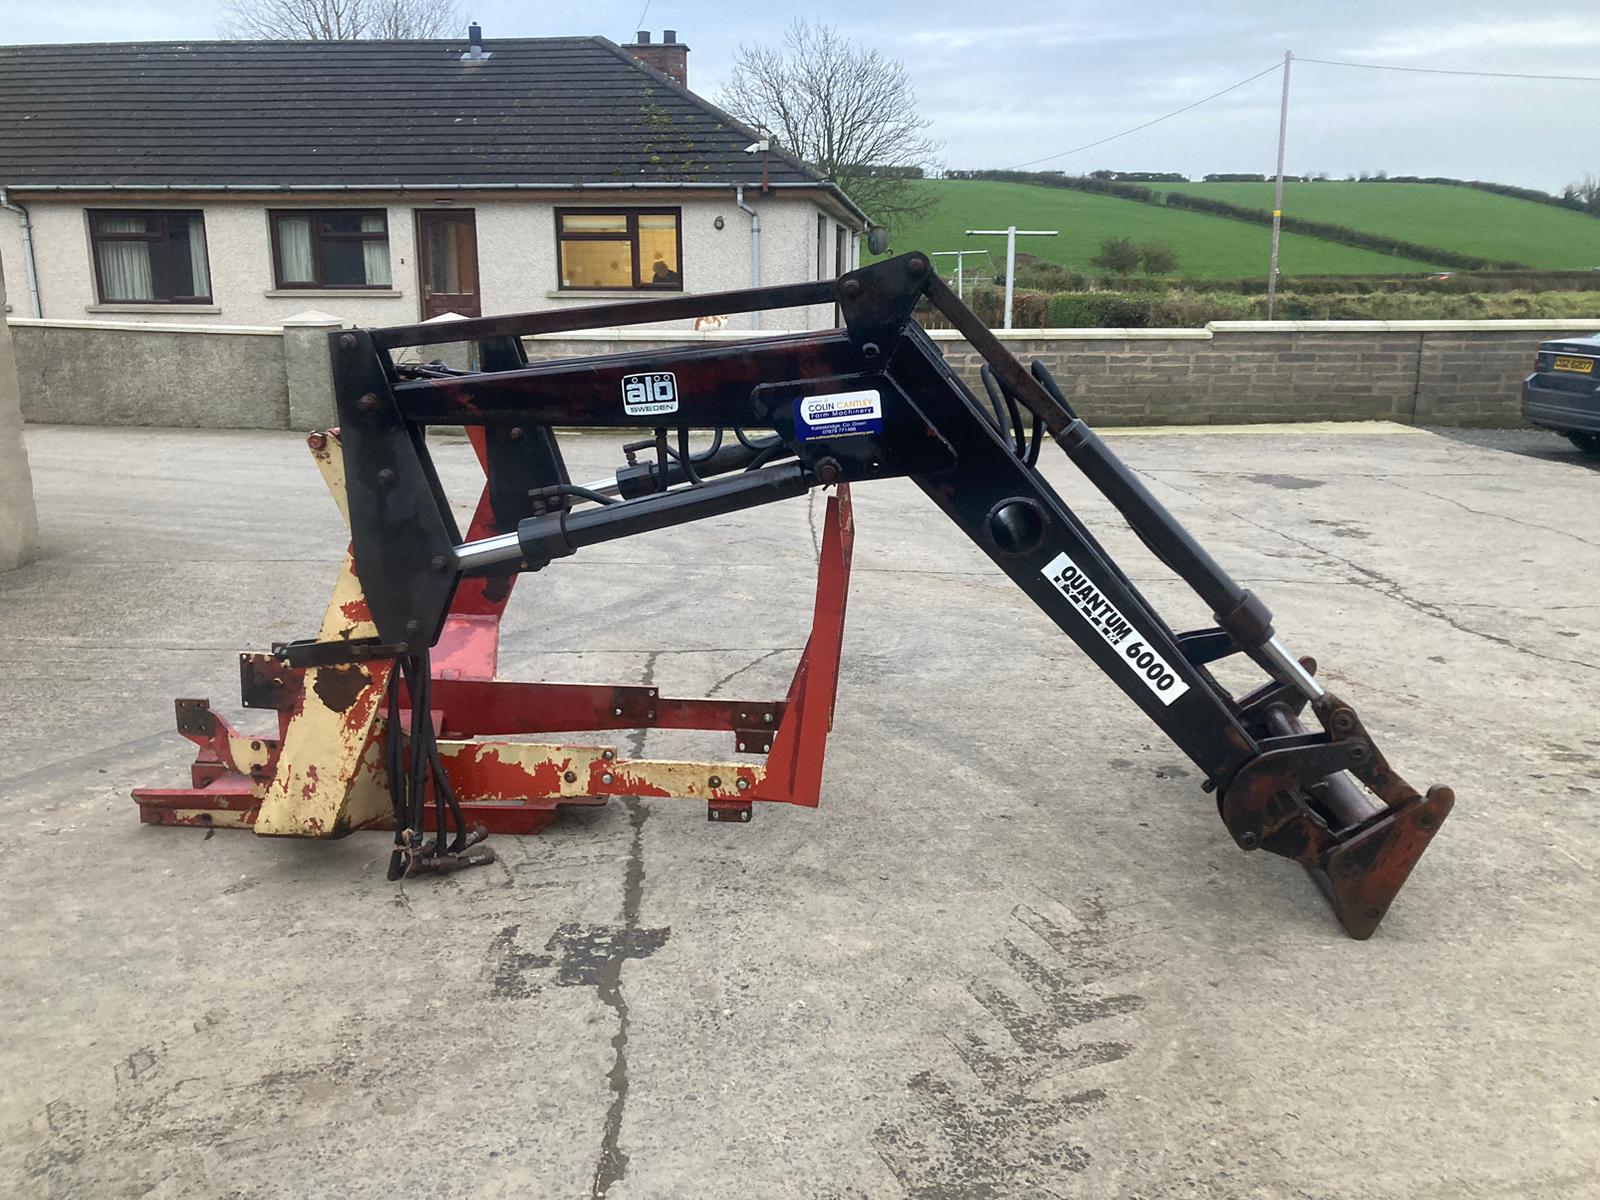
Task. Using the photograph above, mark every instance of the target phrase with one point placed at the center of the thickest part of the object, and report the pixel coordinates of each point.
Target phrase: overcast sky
(1005, 82)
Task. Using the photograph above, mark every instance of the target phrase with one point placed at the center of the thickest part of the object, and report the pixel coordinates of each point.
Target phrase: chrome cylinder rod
(504, 547)
(1286, 668)
(605, 487)
(486, 552)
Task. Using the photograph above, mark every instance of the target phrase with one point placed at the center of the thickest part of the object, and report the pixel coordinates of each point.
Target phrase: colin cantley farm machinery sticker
(1115, 628)
(838, 415)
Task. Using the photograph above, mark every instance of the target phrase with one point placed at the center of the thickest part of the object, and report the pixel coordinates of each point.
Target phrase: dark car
(1563, 393)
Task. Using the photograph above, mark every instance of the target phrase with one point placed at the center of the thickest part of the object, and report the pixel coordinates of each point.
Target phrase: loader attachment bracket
(1363, 874)
(1296, 799)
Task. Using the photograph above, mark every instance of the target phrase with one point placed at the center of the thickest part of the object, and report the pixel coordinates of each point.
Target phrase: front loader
(384, 718)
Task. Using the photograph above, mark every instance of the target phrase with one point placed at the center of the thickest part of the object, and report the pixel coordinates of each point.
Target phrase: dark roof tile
(537, 111)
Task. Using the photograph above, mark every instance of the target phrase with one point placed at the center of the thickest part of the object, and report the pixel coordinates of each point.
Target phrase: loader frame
(872, 400)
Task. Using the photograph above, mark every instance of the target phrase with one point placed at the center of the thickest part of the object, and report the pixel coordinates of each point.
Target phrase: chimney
(474, 51)
(669, 55)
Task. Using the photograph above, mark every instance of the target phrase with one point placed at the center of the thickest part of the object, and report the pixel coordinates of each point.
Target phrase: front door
(447, 262)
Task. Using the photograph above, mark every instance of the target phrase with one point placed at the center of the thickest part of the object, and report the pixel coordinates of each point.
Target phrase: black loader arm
(871, 401)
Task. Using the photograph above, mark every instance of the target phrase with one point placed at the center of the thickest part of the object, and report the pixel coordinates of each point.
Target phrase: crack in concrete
(56, 772)
(1380, 584)
(612, 1166)
(732, 675)
(1481, 512)
(1533, 608)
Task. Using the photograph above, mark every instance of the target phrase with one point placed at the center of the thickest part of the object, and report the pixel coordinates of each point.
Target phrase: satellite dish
(878, 240)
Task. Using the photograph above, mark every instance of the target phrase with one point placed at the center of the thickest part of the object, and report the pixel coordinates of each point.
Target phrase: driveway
(1013, 954)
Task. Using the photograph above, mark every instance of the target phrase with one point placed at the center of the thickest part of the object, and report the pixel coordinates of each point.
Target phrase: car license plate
(1573, 364)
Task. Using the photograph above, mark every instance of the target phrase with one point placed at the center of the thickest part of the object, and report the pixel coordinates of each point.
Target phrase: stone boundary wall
(1242, 372)
(176, 375)
(1230, 372)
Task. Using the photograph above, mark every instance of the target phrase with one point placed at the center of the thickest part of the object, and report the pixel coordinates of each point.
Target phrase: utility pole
(961, 258)
(1277, 195)
(1011, 234)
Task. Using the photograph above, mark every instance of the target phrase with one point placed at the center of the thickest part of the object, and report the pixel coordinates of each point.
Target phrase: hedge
(1341, 234)
(1498, 189)
(1458, 282)
(1192, 310)
(1077, 183)
(1098, 310)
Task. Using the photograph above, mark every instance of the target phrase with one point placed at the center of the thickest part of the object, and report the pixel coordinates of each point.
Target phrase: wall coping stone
(142, 326)
(1509, 325)
(631, 333)
(312, 319)
(636, 334)
(1083, 335)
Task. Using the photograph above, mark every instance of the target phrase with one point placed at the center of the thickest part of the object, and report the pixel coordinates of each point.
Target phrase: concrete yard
(1013, 954)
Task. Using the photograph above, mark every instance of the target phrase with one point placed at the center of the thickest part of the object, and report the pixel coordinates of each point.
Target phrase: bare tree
(338, 20)
(412, 18)
(1586, 193)
(848, 111)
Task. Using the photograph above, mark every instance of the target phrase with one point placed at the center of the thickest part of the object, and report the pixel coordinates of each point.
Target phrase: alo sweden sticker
(838, 415)
(1115, 628)
(650, 395)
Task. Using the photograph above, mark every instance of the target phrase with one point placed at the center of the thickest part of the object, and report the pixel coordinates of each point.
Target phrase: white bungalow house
(240, 183)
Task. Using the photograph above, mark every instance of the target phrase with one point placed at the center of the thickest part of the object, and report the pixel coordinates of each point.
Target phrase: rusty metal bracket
(338, 653)
(1363, 874)
(1297, 799)
(1262, 805)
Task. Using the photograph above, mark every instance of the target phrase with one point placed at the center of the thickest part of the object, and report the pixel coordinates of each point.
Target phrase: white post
(1011, 269)
(1012, 233)
(1277, 196)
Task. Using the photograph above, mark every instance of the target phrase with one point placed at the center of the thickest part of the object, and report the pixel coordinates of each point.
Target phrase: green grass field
(1208, 247)
(1462, 219)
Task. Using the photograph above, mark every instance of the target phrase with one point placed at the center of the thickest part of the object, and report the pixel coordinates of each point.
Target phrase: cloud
(1491, 40)
(1006, 84)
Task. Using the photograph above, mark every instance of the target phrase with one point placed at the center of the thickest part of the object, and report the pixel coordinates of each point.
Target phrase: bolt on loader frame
(380, 716)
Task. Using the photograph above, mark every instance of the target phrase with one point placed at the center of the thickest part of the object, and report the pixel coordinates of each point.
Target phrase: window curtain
(124, 265)
(294, 250)
(199, 271)
(375, 253)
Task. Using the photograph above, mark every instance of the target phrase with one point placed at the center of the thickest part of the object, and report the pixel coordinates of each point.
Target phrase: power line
(1175, 112)
(1326, 62)
(1329, 62)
